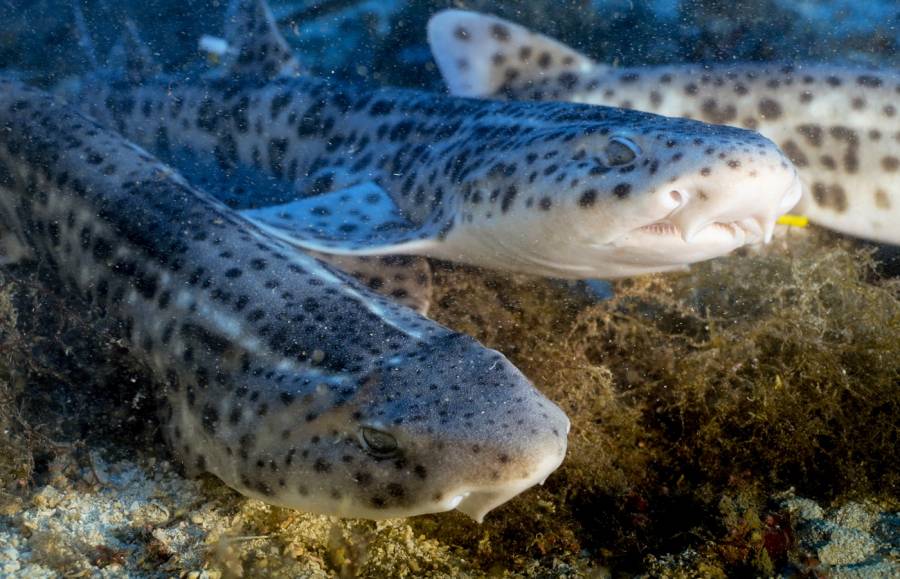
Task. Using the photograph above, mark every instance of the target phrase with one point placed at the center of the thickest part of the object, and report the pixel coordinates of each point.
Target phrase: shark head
(447, 425)
(624, 196)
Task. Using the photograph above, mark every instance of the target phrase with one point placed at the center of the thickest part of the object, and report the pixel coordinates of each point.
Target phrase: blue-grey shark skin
(839, 125)
(278, 374)
(471, 177)
(553, 189)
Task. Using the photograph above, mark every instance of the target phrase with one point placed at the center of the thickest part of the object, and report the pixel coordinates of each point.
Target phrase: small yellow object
(794, 220)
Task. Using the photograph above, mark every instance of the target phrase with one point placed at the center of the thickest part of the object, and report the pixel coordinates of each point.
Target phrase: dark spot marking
(769, 109)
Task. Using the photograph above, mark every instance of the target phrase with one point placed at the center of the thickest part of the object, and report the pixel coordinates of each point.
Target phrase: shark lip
(743, 231)
(757, 224)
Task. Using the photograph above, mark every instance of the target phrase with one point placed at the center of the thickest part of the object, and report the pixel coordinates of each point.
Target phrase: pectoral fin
(360, 220)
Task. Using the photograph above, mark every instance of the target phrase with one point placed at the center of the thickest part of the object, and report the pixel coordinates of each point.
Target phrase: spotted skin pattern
(556, 189)
(277, 373)
(839, 126)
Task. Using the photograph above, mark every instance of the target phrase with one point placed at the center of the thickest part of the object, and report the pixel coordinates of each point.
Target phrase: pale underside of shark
(839, 125)
(553, 189)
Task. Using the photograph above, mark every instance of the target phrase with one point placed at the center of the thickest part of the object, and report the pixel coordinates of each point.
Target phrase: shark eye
(378, 443)
(621, 151)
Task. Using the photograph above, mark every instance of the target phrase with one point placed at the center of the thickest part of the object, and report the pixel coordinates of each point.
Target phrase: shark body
(277, 373)
(839, 126)
(557, 189)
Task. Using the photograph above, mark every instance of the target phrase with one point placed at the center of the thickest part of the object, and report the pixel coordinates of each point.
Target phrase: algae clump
(746, 376)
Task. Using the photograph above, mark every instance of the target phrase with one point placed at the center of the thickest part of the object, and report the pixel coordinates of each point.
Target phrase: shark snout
(748, 208)
(520, 463)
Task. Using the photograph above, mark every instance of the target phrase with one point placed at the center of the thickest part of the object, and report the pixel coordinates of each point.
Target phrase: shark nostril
(676, 196)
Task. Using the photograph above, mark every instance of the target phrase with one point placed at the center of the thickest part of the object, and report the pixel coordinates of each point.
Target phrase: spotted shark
(556, 189)
(839, 125)
(277, 373)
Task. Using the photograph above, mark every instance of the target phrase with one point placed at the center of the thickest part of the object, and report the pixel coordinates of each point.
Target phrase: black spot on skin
(830, 197)
(545, 203)
(812, 133)
(716, 114)
(500, 32)
(588, 198)
(794, 153)
(868, 80)
(461, 34)
(321, 465)
(508, 198)
(622, 190)
(769, 109)
(210, 418)
(102, 249)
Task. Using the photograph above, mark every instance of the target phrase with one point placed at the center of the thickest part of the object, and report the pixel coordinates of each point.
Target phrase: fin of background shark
(257, 48)
(472, 51)
(132, 55)
(360, 220)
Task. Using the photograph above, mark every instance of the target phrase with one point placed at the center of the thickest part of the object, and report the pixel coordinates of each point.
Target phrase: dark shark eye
(621, 151)
(378, 443)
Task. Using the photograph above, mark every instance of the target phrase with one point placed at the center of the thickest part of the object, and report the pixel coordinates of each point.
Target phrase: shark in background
(556, 189)
(840, 126)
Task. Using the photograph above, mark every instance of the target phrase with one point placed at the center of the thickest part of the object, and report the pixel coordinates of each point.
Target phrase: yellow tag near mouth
(793, 220)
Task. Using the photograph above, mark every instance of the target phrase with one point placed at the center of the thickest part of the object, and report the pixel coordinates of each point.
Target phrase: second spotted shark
(840, 126)
(556, 189)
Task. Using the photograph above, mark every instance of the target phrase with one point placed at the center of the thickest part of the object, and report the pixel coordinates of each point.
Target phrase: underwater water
(725, 407)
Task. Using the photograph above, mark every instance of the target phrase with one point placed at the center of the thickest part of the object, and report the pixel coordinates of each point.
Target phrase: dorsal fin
(479, 55)
(258, 49)
(133, 56)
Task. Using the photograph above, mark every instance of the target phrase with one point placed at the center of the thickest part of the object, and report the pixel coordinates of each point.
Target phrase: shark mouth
(476, 503)
(755, 228)
(745, 231)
